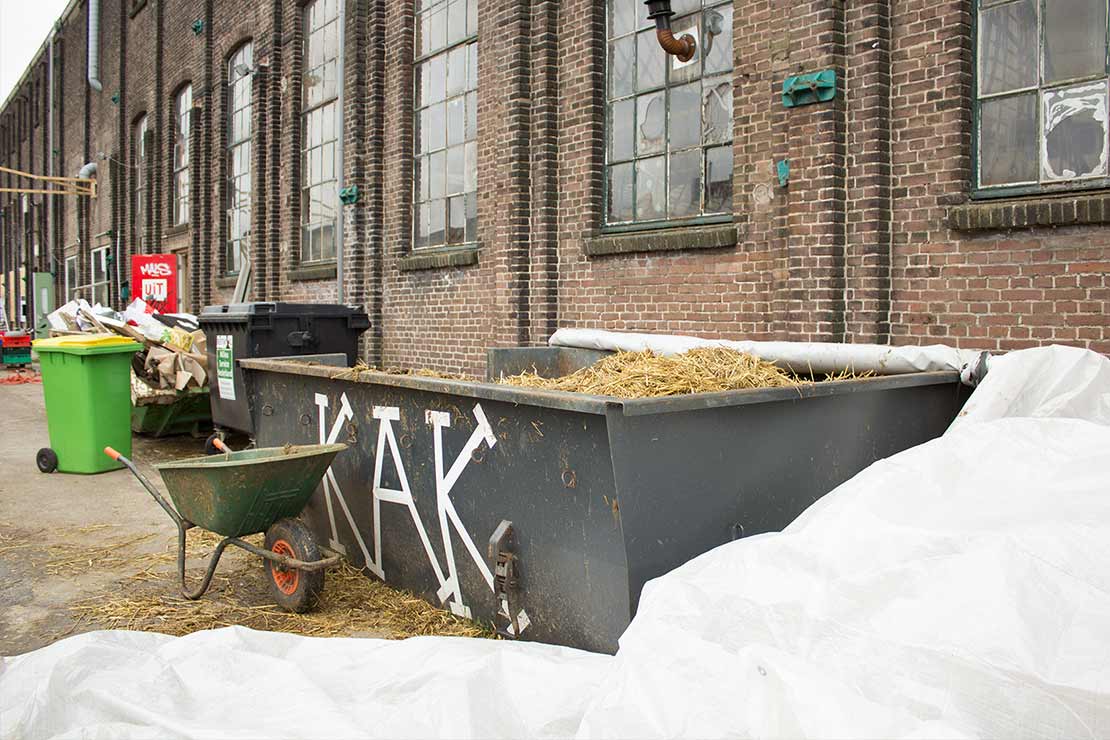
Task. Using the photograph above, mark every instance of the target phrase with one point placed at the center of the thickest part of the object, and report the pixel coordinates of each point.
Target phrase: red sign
(154, 277)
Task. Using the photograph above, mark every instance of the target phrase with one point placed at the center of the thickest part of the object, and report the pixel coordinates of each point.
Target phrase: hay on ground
(352, 604)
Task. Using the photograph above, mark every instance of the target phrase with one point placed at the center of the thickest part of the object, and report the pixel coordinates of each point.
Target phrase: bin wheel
(47, 460)
(293, 590)
(209, 444)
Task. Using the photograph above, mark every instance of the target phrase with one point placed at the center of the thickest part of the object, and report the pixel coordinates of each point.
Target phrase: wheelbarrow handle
(147, 485)
(219, 445)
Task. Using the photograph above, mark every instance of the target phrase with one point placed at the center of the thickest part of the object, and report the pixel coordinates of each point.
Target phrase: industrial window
(445, 184)
(100, 277)
(1042, 80)
(320, 133)
(182, 112)
(138, 173)
(669, 133)
(72, 280)
(238, 210)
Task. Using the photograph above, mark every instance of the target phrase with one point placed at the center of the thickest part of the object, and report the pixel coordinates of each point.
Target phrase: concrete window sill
(307, 273)
(439, 259)
(663, 240)
(998, 215)
(227, 281)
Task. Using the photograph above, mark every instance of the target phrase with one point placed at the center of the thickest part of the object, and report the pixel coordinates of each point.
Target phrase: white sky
(24, 25)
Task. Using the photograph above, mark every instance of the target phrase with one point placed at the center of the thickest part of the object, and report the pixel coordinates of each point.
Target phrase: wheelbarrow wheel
(294, 590)
(47, 460)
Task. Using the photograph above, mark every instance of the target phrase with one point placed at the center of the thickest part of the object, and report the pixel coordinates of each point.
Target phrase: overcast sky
(24, 25)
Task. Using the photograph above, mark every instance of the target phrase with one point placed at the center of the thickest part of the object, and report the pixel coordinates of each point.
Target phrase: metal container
(476, 495)
(244, 330)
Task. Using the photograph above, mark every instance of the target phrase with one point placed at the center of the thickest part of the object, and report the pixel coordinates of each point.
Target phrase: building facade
(478, 173)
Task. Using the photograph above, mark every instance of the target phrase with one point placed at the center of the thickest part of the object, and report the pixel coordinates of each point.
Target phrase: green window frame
(320, 132)
(1041, 96)
(669, 124)
(237, 209)
(445, 125)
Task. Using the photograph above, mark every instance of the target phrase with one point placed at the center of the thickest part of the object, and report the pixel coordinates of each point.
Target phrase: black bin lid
(247, 310)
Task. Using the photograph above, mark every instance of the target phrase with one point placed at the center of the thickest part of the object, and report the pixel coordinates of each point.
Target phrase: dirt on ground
(82, 553)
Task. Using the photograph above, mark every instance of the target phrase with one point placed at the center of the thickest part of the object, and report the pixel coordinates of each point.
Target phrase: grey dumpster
(587, 497)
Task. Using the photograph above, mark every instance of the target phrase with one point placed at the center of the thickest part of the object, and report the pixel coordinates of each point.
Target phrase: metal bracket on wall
(782, 169)
(816, 87)
(349, 196)
(505, 581)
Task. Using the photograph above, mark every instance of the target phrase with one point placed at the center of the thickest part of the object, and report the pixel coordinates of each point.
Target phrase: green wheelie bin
(86, 380)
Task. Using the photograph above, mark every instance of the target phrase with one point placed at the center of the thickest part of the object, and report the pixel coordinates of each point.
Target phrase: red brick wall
(861, 245)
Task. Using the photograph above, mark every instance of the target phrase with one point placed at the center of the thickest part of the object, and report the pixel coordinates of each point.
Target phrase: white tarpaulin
(959, 589)
(800, 357)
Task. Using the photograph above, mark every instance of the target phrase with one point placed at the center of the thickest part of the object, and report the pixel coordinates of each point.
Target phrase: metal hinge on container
(506, 583)
(817, 87)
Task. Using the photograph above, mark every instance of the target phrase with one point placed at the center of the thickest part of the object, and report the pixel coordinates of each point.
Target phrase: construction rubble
(173, 356)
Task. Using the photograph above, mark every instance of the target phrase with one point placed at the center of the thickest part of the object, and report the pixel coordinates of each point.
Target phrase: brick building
(522, 165)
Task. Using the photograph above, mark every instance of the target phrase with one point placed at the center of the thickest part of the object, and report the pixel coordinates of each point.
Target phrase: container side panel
(429, 477)
(690, 481)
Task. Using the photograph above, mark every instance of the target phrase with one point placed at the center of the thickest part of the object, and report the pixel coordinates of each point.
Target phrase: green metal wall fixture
(782, 169)
(817, 87)
(349, 196)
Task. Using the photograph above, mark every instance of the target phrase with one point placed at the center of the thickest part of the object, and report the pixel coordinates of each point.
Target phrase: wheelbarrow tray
(245, 492)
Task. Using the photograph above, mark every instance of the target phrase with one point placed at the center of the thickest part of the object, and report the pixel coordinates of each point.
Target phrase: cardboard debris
(173, 357)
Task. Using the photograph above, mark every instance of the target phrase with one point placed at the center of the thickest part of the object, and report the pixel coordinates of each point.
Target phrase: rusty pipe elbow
(683, 47)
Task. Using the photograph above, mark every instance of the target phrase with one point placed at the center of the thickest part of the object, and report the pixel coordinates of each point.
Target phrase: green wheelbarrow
(242, 493)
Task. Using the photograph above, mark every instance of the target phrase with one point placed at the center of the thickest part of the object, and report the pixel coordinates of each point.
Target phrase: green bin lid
(87, 344)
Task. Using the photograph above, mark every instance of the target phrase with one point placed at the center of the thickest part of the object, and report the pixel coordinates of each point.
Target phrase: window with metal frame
(239, 134)
(669, 123)
(72, 281)
(99, 282)
(320, 131)
(1042, 76)
(445, 167)
(182, 109)
(138, 179)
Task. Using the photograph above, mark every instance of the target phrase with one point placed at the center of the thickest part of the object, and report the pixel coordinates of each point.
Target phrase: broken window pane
(717, 111)
(1074, 39)
(690, 70)
(1075, 135)
(717, 39)
(1008, 140)
(685, 184)
(651, 124)
(1007, 47)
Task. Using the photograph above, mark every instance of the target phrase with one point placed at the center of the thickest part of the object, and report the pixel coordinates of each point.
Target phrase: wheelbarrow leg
(212, 563)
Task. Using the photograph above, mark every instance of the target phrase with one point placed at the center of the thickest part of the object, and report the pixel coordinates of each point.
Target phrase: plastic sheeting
(958, 589)
(800, 357)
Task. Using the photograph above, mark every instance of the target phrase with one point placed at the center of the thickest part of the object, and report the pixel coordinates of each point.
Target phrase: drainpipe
(50, 146)
(88, 171)
(340, 179)
(94, 45)
(684, 47)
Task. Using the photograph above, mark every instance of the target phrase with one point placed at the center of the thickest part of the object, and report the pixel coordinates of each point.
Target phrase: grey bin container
(603, 494)
(248, 330)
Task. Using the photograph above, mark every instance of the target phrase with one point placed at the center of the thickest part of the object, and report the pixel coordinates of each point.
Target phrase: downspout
(94, 45)
(340, 165)
(683, 47)
(50, 214)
